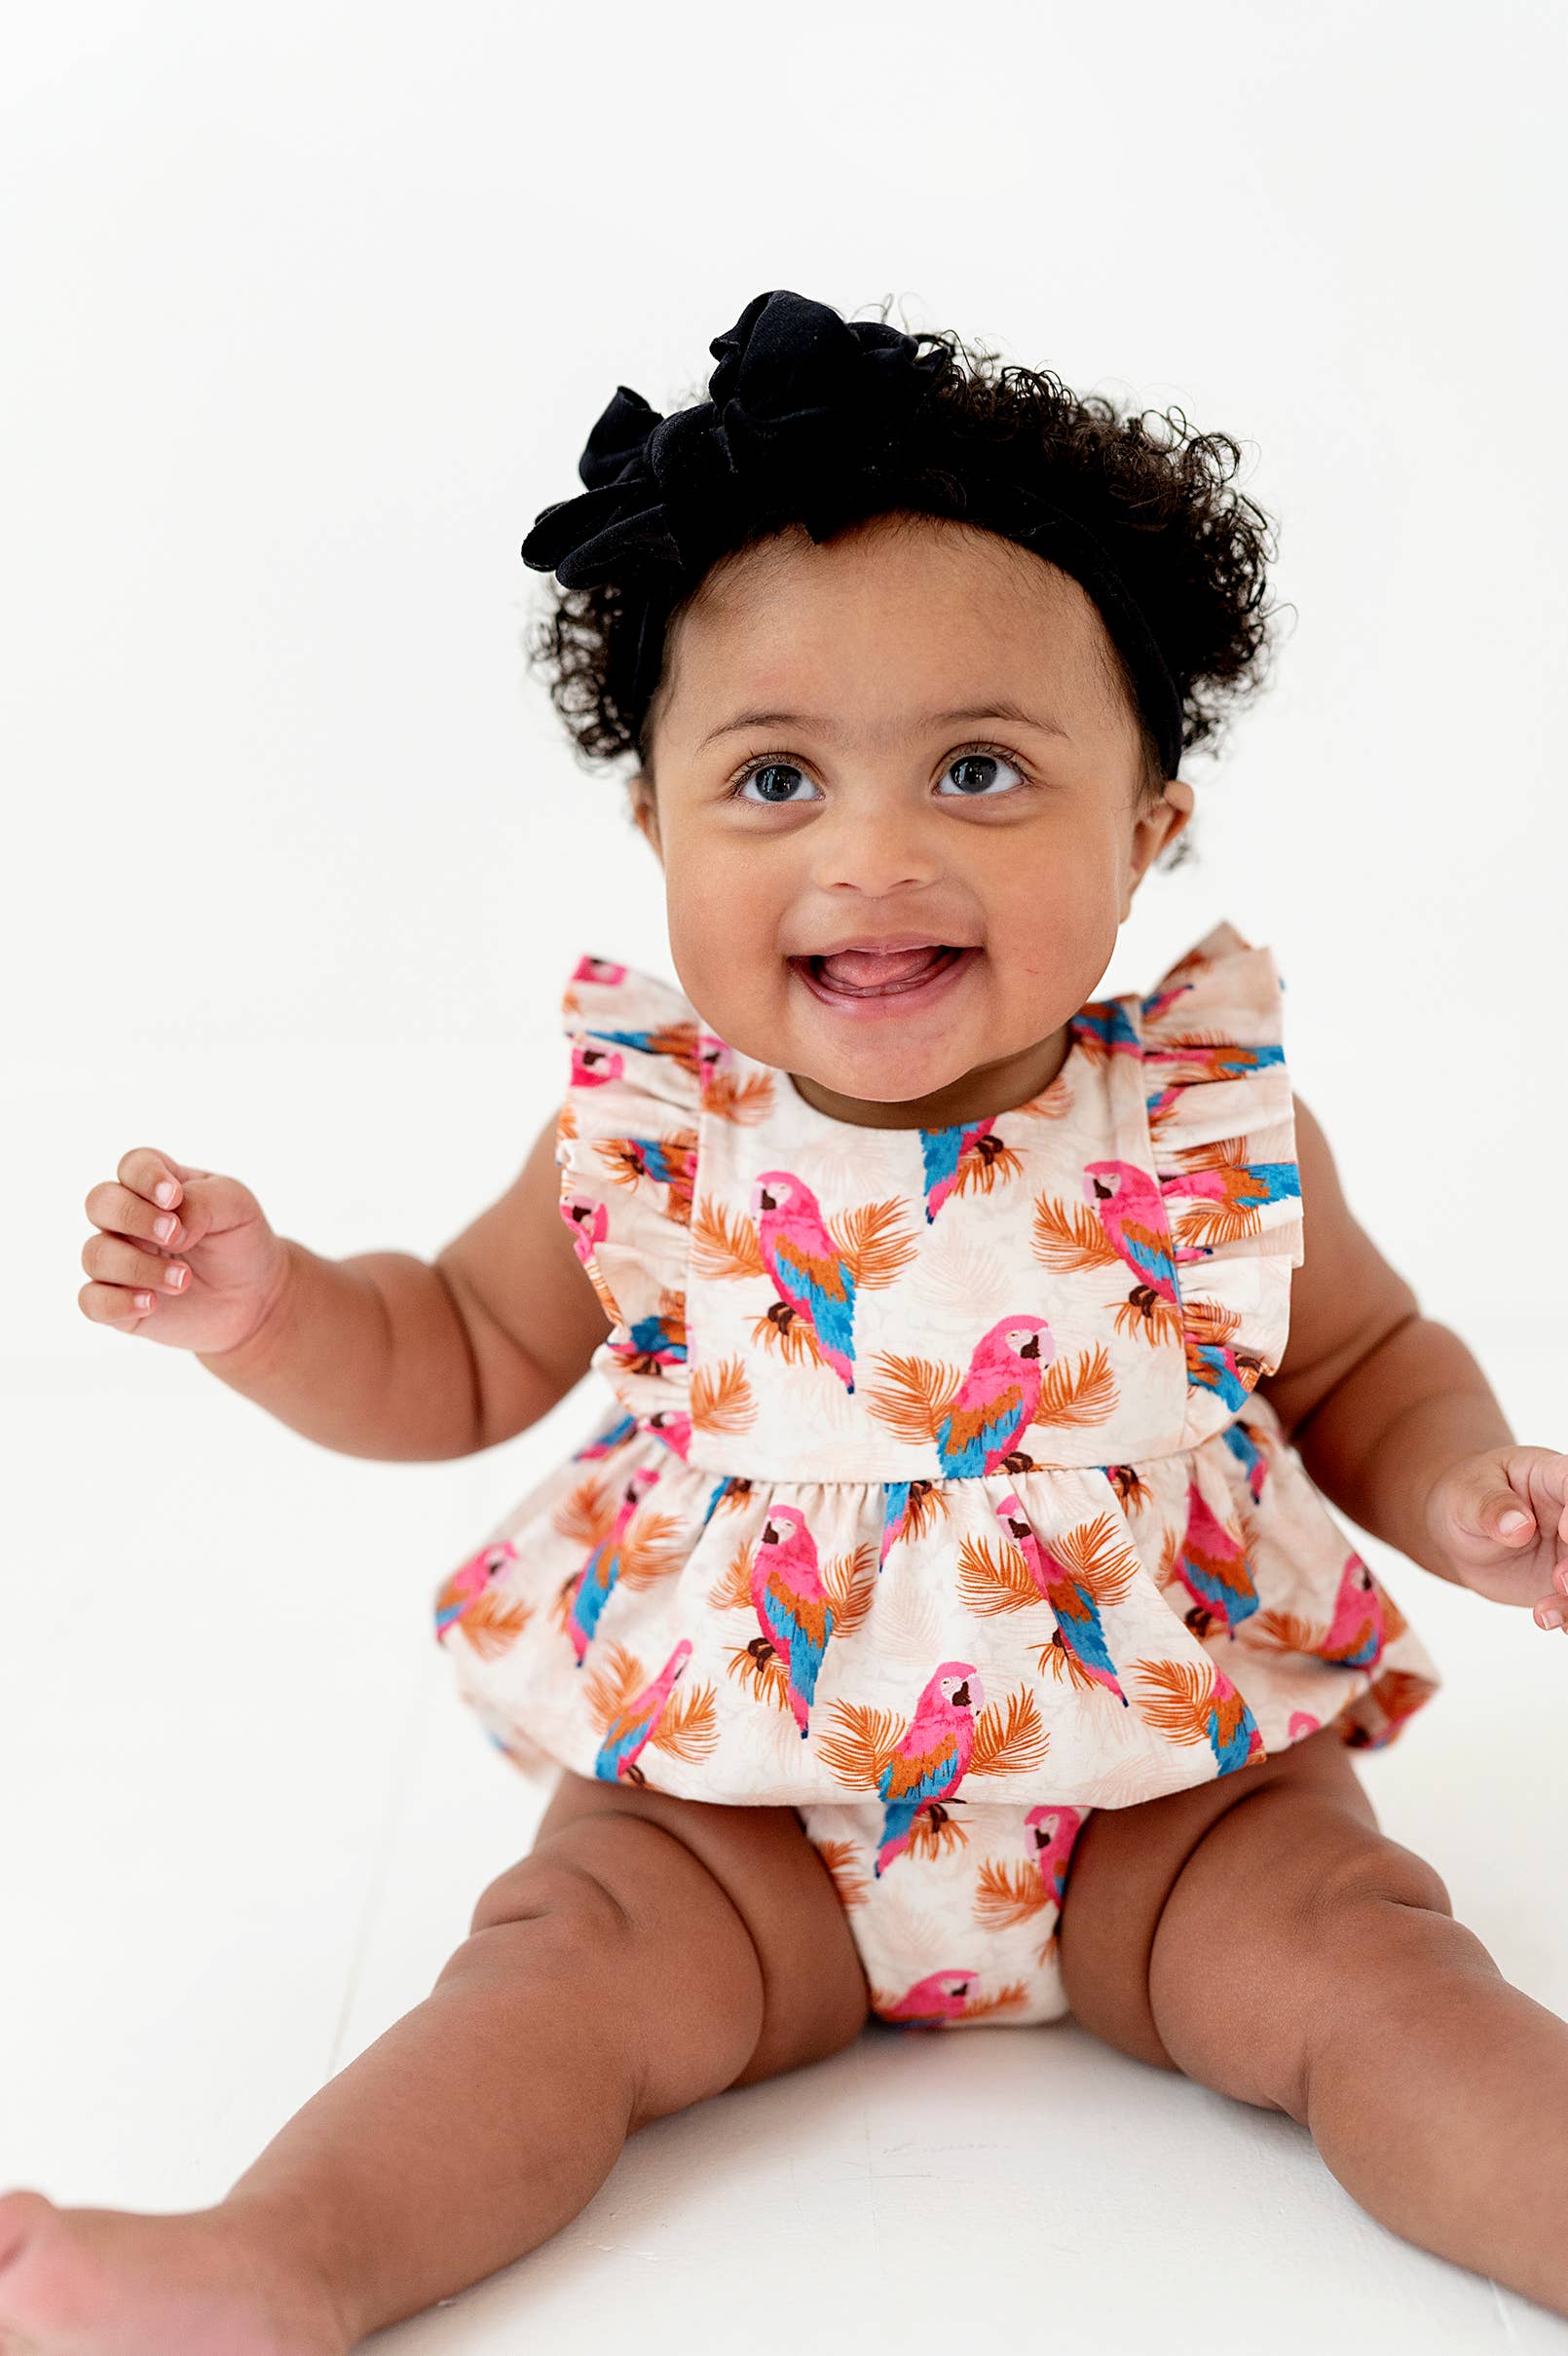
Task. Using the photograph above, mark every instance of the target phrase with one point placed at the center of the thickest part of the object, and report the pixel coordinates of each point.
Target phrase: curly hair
(1192, 549)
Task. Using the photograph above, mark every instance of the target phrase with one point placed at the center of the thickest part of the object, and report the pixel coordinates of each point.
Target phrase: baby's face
(863, 816)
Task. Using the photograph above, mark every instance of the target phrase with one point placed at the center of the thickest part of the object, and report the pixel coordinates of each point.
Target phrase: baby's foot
(105, 2282)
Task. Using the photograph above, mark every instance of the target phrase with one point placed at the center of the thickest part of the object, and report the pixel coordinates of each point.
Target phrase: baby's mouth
(880, 973)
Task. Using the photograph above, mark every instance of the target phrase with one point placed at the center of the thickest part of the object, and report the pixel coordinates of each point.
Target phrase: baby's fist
(183, 1256)
(1500, 1516)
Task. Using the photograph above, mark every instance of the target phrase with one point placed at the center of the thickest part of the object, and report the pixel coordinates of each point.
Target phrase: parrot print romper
(937, 1500)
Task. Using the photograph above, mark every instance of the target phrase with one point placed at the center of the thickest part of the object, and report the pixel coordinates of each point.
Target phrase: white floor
(246, 1821)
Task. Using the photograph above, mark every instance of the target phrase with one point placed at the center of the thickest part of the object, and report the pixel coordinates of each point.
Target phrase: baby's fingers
(153, 1175)
(113, 1260)
(112, 1305)
(124, 1212)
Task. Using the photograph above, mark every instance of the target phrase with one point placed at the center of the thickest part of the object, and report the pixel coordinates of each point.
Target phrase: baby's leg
(1263, 1936)
(647, 1953)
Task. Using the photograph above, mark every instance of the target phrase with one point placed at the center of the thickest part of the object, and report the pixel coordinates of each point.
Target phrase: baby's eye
(775, 781)
(974, 775)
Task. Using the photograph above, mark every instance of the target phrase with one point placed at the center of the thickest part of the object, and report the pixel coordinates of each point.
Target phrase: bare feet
(106, 2282)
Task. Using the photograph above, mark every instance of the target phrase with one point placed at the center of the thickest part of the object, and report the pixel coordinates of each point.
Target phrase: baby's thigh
(1193, 1925)
(738, 1928)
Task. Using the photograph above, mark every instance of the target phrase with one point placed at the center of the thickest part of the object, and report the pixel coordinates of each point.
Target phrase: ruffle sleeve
(627, 1145)
(1223, 1131)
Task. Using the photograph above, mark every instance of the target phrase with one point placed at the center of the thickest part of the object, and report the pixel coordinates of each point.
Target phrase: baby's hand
(184, 1257)
(1502, 1519)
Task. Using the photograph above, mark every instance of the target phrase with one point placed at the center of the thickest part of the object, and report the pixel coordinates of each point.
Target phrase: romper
(937, 1500)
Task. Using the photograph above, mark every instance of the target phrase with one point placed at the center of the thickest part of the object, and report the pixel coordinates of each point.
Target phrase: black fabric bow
(801, 399)
(807, 414)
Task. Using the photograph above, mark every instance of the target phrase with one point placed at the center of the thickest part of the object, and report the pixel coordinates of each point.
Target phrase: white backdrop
(307, 311)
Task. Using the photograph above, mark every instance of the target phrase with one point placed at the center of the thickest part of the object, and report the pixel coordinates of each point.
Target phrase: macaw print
(970, 1154)
(996, 1402)
(933, 1757)
(669, 1161)
(1129, 1206)
(591, 1068)
(1070, 1590)
(909, 1507)
(589, 1589)
(941, 1997)
(792, 1606)
(1357, 1631)
(1211, 1561)
(475, 1597)
(1051, 1831)
(629, 1730)
(813, 1279)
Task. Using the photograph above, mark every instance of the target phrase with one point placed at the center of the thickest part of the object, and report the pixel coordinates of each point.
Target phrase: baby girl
(944, 1621)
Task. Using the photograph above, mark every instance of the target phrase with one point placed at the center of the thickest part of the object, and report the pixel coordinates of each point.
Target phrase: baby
(956, 1554)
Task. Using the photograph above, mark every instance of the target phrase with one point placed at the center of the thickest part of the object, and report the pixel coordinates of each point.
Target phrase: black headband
(810, 417)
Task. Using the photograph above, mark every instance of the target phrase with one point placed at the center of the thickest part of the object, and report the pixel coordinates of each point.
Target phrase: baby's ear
(645, 810)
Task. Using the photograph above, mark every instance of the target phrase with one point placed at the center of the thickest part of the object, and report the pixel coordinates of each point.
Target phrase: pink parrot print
(1052, 1831)
(813, 1280)
(1072, 1605)
(997, 1399)
(1211, 1565)
(942, 1996)
(933, 1758)
(1358, 1630)
(588, 1221)
(943, 1152)
(1231, 1727)
(1130, 1207)
(592, 1585)
(792, 1606)
(601, 970)
(469, 1594)
(629, 1730)
(591, 1068)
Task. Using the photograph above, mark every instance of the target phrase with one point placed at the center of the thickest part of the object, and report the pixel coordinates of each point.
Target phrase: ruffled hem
(1105, 1634)
(1223, 1132)
(627, 1145)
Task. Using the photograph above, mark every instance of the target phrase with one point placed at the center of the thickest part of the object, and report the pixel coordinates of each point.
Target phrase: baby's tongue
(874, 968)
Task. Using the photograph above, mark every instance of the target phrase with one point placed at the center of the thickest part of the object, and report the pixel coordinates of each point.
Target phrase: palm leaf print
(851, 1582)
(1079, 1391)
(1099, 1558)
(1286, 1630)
(1007, 1895)
(494, 1624)
(1176, 1696)
(793, 1338)
(738, 1100)
(978, 1171)
(934, 1831)
(1061, 1661)
(1212, 1324)
(688, 1725)
(565, 1122)
(757, 1666)
(874, 1242)
(863, 1748)
(652, 1549)
(725, 1243)
(620, 1160)
(585, 1514)
(849, 1879)
(914, 1396)
(995, 1578)
(1010, 1744)
(733, 1590)
(1067, 1235)
(613, 1683)
(722, 1399)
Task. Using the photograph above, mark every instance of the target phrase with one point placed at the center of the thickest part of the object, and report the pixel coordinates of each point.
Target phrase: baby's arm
(1379, 1399)
(385, 1355)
